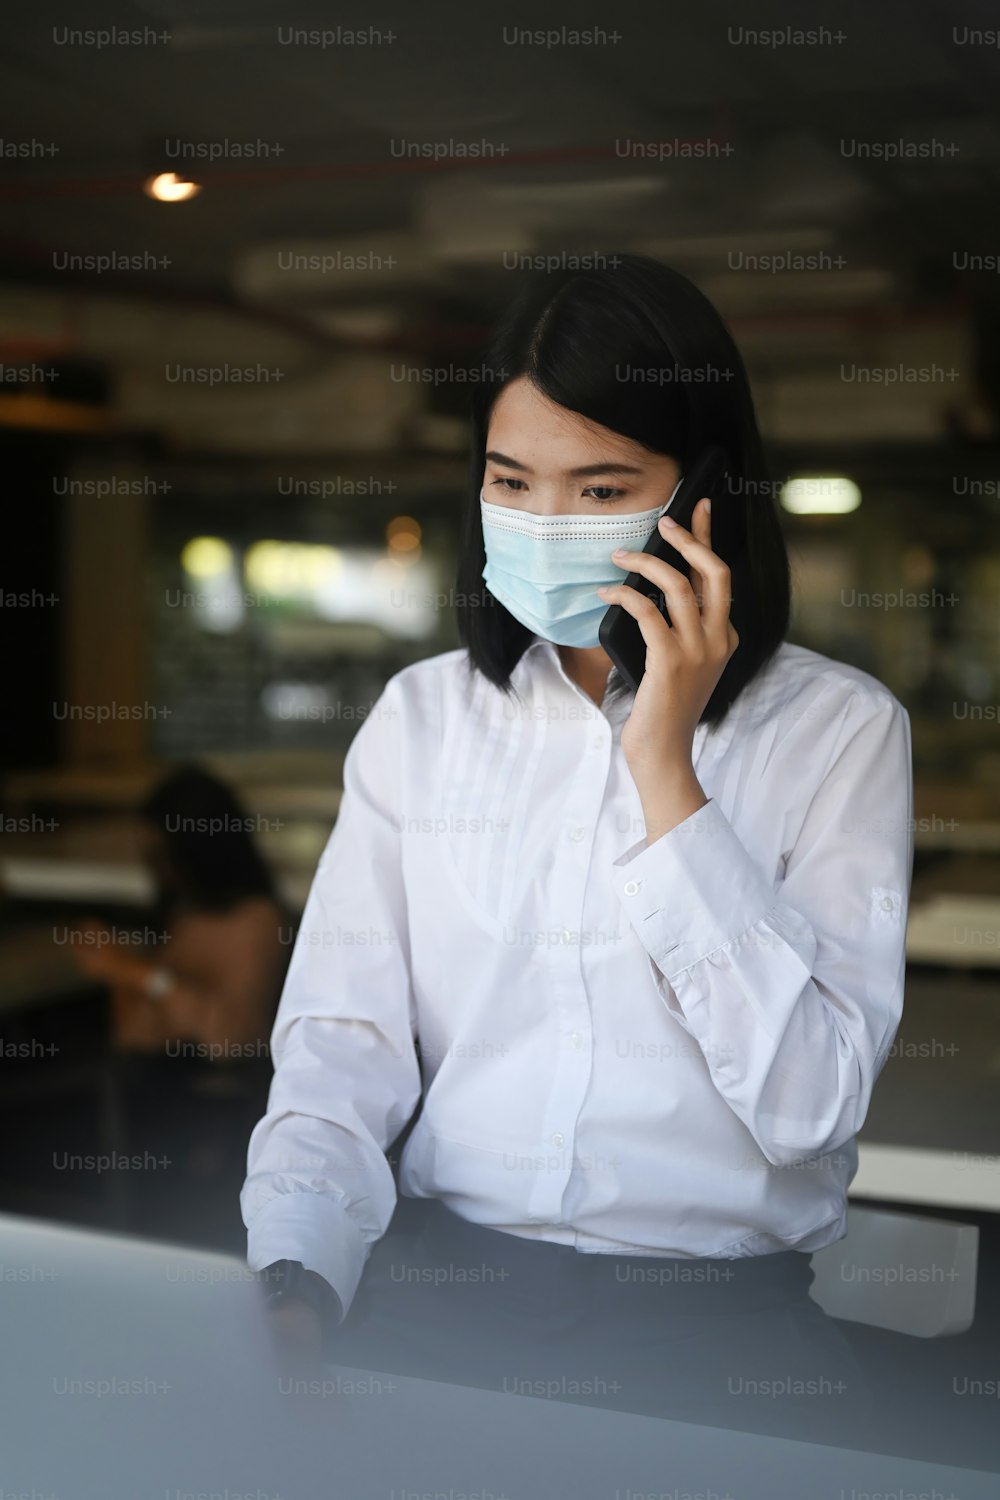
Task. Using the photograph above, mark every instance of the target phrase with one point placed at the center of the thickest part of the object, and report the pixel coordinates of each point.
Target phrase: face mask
(547, 569)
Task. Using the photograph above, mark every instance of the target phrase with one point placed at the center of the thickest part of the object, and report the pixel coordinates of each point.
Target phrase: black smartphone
(619, 632)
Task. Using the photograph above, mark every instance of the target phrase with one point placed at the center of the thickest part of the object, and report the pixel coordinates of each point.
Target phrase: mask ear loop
(672, 497)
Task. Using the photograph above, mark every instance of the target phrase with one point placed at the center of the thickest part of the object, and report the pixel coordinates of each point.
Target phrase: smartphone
(619, 632)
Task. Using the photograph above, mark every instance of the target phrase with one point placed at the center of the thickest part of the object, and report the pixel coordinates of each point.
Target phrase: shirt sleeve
(319, 1188)
(790, 982)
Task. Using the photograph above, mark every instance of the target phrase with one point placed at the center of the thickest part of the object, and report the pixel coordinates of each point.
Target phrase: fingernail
(667, 521)
(708, 507)
(618, 552)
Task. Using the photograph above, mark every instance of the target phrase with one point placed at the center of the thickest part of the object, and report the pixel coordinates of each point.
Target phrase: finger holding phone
(685, 657)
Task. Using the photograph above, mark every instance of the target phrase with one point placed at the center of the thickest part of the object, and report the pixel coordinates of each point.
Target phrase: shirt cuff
(316, 1231)
(692, 890)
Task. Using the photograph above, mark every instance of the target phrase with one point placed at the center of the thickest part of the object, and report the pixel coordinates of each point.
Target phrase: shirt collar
(541, 649)
(617, 711)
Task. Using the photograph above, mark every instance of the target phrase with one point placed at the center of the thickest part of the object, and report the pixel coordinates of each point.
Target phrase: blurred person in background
(216, 912)
(189, 1024)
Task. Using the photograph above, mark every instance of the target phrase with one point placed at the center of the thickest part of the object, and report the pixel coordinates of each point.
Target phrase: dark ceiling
(569, 120)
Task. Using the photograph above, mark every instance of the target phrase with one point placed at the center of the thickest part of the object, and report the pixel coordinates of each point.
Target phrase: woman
(642, 953)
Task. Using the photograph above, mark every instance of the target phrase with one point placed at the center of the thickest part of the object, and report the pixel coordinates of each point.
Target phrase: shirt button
(632, 888)
(887, 903)
(576, 834)
(566, 936)
(576, 1039)
(558, 1139)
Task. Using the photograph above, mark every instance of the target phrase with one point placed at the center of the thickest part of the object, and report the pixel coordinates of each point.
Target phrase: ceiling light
(167, 187)
(820, 494)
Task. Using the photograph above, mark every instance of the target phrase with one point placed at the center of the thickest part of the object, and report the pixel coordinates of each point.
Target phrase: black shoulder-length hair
(637, 348)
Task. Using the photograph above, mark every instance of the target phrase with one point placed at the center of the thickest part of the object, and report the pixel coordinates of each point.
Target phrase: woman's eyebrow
(580, 473)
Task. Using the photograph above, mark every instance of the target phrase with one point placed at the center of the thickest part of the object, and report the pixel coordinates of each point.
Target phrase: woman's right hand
(298, 1338)
(297, 1334)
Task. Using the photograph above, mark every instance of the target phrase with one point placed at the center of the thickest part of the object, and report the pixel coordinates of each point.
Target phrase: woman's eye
(603, 494)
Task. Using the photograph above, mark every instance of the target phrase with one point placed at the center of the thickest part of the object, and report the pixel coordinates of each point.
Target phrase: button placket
(570, 1005)
(568, 866)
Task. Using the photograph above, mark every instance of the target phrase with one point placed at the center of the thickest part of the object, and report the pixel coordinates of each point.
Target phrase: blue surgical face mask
(547, 569)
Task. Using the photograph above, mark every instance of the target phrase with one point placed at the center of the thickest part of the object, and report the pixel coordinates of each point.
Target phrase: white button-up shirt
(631, 1048)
